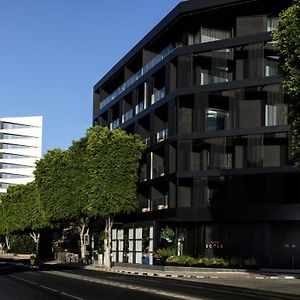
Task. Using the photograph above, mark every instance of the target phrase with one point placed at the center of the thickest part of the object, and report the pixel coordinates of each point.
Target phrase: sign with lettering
(214, 245)
(290, 245)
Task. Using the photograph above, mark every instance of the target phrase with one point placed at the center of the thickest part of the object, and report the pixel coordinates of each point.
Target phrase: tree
(22, 211)
(112, 163)
(95, 177)
(60, 176)
(287, 43)
(3, 223)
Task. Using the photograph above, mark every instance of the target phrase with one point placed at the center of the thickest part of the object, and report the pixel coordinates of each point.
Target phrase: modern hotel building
(203, 91)
(20, 148)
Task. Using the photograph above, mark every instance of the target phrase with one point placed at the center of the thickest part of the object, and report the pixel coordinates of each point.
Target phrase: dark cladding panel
(184, 193)
(247, 25)
(184, 71)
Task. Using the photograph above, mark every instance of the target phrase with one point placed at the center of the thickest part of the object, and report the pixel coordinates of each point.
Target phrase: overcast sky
(52, 52)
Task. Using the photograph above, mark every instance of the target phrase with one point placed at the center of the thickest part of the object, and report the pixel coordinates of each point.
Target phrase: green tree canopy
(112, 164)
(95, 177)
(287, 42)
(21, 211)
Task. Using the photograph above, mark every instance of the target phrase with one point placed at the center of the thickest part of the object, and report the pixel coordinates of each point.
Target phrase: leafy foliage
(21, 209)
(96, 176)
(52, 176)
(112, 164)
(287, 42)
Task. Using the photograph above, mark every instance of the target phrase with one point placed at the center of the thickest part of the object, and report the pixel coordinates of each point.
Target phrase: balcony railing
(140, 107)
(115, 124)
(158, 58)
(158, 171)
(162, 135)
(128, 115)
(143, 175)
(146, 141)
(158, 95)
(161, 203)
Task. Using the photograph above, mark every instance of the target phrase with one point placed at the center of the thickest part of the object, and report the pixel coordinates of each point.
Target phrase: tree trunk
(107, 242)
(7, 242)
(82, 227)
(82, 246)
(36, 238)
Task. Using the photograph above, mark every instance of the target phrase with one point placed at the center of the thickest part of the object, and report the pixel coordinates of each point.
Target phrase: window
(270, 115)
(272, 66)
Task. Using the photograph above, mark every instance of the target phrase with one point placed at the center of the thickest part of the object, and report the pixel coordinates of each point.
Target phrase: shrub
(236, 262)
(182, 260)
(22, 244)
(250, 262)
(213, 262)
(163, 253)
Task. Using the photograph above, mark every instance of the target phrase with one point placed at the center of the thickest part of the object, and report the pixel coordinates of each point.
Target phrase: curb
(169, 275)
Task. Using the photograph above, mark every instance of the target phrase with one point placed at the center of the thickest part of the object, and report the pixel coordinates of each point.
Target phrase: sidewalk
(194, 272)
(265, 281)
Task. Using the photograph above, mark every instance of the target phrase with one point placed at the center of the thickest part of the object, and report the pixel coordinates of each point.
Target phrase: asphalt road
(22, 282)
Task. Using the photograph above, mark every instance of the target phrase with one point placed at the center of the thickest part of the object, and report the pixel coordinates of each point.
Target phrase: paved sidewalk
(192, 272)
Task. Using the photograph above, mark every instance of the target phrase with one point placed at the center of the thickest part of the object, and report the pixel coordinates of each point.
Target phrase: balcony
(157, 59)
(115, 124)
(217, 119)
(146, 141)
(140, 107)
(222, 74)
(158, 95)
(161, 203)
(162, 135)
(126, 116)
(158, 171)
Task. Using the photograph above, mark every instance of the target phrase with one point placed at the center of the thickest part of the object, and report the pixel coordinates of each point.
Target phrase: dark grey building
(203, 90)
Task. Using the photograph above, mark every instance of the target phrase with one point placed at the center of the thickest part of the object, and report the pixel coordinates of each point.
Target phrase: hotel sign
(214, 245)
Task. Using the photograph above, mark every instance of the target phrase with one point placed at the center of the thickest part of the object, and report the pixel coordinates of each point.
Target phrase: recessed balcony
(114, 124)
(152, 63)
(162, 135)
(126, 116)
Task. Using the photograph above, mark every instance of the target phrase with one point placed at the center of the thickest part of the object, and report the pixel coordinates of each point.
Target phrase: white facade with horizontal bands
(20, 148)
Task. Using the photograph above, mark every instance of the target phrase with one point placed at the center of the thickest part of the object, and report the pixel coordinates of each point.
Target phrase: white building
(20, 148)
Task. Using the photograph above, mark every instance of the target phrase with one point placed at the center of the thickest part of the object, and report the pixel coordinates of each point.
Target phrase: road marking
(46, 287)
(125, 286)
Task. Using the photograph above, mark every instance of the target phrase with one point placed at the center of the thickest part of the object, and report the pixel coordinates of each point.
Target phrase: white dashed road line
(46, 287)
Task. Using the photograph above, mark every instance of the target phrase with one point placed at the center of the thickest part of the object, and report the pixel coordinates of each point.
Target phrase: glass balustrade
(146, 141)
(128, 115)
(115, 124)
(158, 171)
(140, 107)
(162, 135)
(161, 203)
(161, 56)
(151, 64)
(158, 95)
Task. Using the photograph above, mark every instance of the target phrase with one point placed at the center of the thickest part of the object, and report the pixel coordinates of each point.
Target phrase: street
(59, 282)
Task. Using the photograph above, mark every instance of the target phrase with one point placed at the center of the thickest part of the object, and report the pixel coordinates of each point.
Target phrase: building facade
(20, 148)
(203, 91)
